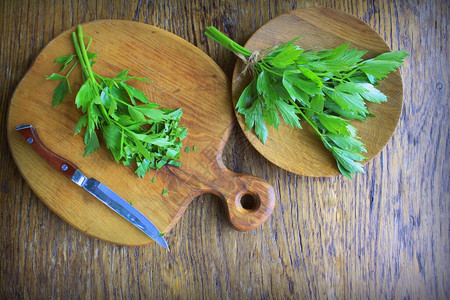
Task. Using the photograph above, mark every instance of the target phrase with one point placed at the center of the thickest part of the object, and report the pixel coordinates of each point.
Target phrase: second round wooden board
(301, 151)
(182, 76)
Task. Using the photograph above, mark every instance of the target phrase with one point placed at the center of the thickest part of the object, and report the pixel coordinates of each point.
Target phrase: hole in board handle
(250, 202)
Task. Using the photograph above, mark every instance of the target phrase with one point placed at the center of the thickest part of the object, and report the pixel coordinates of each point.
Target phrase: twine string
(252, 60)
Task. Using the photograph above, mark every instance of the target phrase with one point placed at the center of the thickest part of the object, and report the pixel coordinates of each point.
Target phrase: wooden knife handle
(28, 132)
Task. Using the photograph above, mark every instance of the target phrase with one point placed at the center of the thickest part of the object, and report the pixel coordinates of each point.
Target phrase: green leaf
(332, 54)
(350, 101)
(181, 132)
(351, 130)
(254, 118)
(317, 103)
(373, 94)
(289, 113)
(55, 76)
(304, 84)
(160, 163)
(347, 114)
(136, 78)
(284, 45)
(91, 56)
(171, 112)
(261, 129)
(280, 90)
(348, 161)
(248, 95)
(125, 120)
(85, 95)
(172, 153)
(154, 114)
(118, 92)
(122, 75)
(93, 114)
(383, 64)
(64, 61)
(141, 149)
(135, 93)
(174, 163)
(351, 87)
(271, 116)
(109, 102)
(348, 143)
(294, 91)
(135, 114)
(349, 57)
(265, 88)
(334, 61)
(311, 75)
(154, 140)
(333, 124)
(60, 92)
(397, 56)
(142, 167)
(82, 122)
(112, 135)
(91, 141)
(286, 56)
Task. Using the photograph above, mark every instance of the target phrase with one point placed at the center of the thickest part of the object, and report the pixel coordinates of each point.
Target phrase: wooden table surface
(384, 234)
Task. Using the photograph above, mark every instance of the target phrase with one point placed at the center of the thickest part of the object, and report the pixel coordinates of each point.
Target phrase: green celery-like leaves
(325, 88)
(133, 128)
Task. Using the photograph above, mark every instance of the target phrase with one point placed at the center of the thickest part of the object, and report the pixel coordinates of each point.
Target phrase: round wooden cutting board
(301, 151)
(182, 76)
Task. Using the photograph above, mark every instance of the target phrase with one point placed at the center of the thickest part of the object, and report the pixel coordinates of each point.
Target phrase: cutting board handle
(249, 200)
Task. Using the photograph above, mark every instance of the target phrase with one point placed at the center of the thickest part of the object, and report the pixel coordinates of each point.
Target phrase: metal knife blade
(93, 186)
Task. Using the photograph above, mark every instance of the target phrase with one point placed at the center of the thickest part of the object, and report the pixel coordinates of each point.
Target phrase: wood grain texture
(201, 90)
(383, 235)
(301, 151)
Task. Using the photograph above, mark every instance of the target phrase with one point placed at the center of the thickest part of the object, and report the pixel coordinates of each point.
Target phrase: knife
(93, 186)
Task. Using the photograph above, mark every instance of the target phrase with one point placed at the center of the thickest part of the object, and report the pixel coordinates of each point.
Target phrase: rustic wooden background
(383, 235)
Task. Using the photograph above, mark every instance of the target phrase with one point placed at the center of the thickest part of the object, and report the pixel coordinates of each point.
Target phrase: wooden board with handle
(182, 76)
(301, 151)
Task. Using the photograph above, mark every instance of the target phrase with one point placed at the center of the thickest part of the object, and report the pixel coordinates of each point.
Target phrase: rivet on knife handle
(64, 166)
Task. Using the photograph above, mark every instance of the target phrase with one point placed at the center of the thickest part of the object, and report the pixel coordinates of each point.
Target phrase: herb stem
(328, 88)
(80, 56)
(84, 56)
(324, 141)
(71, 68)
(115, 98)
(86, 66)
(327, 145)
(124, 130)
(121, 142)
(225, 41)
(269, 69)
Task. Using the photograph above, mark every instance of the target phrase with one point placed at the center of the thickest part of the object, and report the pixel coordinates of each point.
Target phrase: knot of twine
(252, 60)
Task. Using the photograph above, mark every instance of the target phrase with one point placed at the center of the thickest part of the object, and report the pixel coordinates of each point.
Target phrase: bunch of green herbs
(325, 88)
(133, 128)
